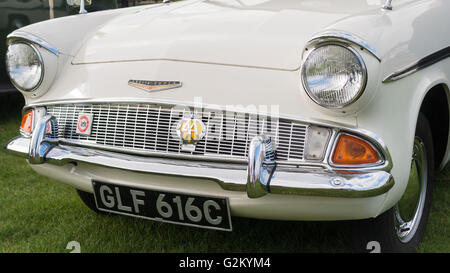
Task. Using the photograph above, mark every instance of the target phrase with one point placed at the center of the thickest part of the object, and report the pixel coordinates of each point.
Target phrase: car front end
(274, 138)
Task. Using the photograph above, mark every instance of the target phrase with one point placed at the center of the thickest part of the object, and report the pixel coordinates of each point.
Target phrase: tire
(89, 200)
(390, 230)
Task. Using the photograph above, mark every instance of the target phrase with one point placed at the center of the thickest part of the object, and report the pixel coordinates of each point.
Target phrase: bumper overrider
(262, 175)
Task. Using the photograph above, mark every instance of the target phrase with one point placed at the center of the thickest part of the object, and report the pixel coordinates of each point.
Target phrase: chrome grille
(150, 128)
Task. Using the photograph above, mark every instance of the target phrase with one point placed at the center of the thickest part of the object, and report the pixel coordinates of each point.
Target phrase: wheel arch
(435, 107)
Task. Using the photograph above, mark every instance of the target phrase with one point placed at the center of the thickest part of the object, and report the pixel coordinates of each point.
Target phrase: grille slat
(150, 128)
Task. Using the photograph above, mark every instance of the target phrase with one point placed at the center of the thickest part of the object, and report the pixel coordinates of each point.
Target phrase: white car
(196, 111)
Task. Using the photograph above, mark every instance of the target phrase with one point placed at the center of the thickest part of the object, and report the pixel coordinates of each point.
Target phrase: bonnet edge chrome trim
(419, 65)
(20, 35)
(342, 36)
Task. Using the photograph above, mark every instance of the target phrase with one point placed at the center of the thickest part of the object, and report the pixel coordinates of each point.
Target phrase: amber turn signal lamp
(26, 127)
(351, 150)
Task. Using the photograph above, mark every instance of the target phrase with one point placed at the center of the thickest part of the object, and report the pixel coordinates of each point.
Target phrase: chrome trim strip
(419, 65)
(287, 180)
(20, 35)
(342, 36)
(217, 158)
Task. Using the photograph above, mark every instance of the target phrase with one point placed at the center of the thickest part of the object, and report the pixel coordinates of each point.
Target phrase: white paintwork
(250, 54)
(276, 207)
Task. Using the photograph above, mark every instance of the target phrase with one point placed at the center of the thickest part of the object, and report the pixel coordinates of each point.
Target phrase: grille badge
(153, 86)
(190, 130)
(84, 124)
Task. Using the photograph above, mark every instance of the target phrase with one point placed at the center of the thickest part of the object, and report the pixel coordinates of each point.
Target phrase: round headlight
(24, 65)
(334, 75)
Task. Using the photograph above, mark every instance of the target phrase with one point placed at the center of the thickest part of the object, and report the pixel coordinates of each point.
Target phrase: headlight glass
(24, 65)
(334, 75)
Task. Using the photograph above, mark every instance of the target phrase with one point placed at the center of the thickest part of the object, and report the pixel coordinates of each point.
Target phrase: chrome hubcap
(409, 209)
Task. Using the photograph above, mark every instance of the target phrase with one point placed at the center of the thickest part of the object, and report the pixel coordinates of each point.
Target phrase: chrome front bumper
(258, 178)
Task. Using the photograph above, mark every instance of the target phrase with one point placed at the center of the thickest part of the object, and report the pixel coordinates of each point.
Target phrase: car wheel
(401, 228)
(89, 200)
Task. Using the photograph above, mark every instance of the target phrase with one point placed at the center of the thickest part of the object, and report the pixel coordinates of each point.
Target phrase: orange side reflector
(27, 123)
(351, 150)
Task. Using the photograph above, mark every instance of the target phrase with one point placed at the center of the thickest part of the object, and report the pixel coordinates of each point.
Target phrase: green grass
(38, 214)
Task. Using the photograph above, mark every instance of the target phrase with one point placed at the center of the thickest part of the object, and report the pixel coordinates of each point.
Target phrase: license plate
(178, 208)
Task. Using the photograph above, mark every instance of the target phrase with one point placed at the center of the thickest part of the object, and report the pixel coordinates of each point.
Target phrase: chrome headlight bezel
(41, 64)
(310, 49)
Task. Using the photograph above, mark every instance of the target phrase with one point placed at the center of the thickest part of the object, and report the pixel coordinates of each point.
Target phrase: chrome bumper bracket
(261, 166)
(40, 145)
